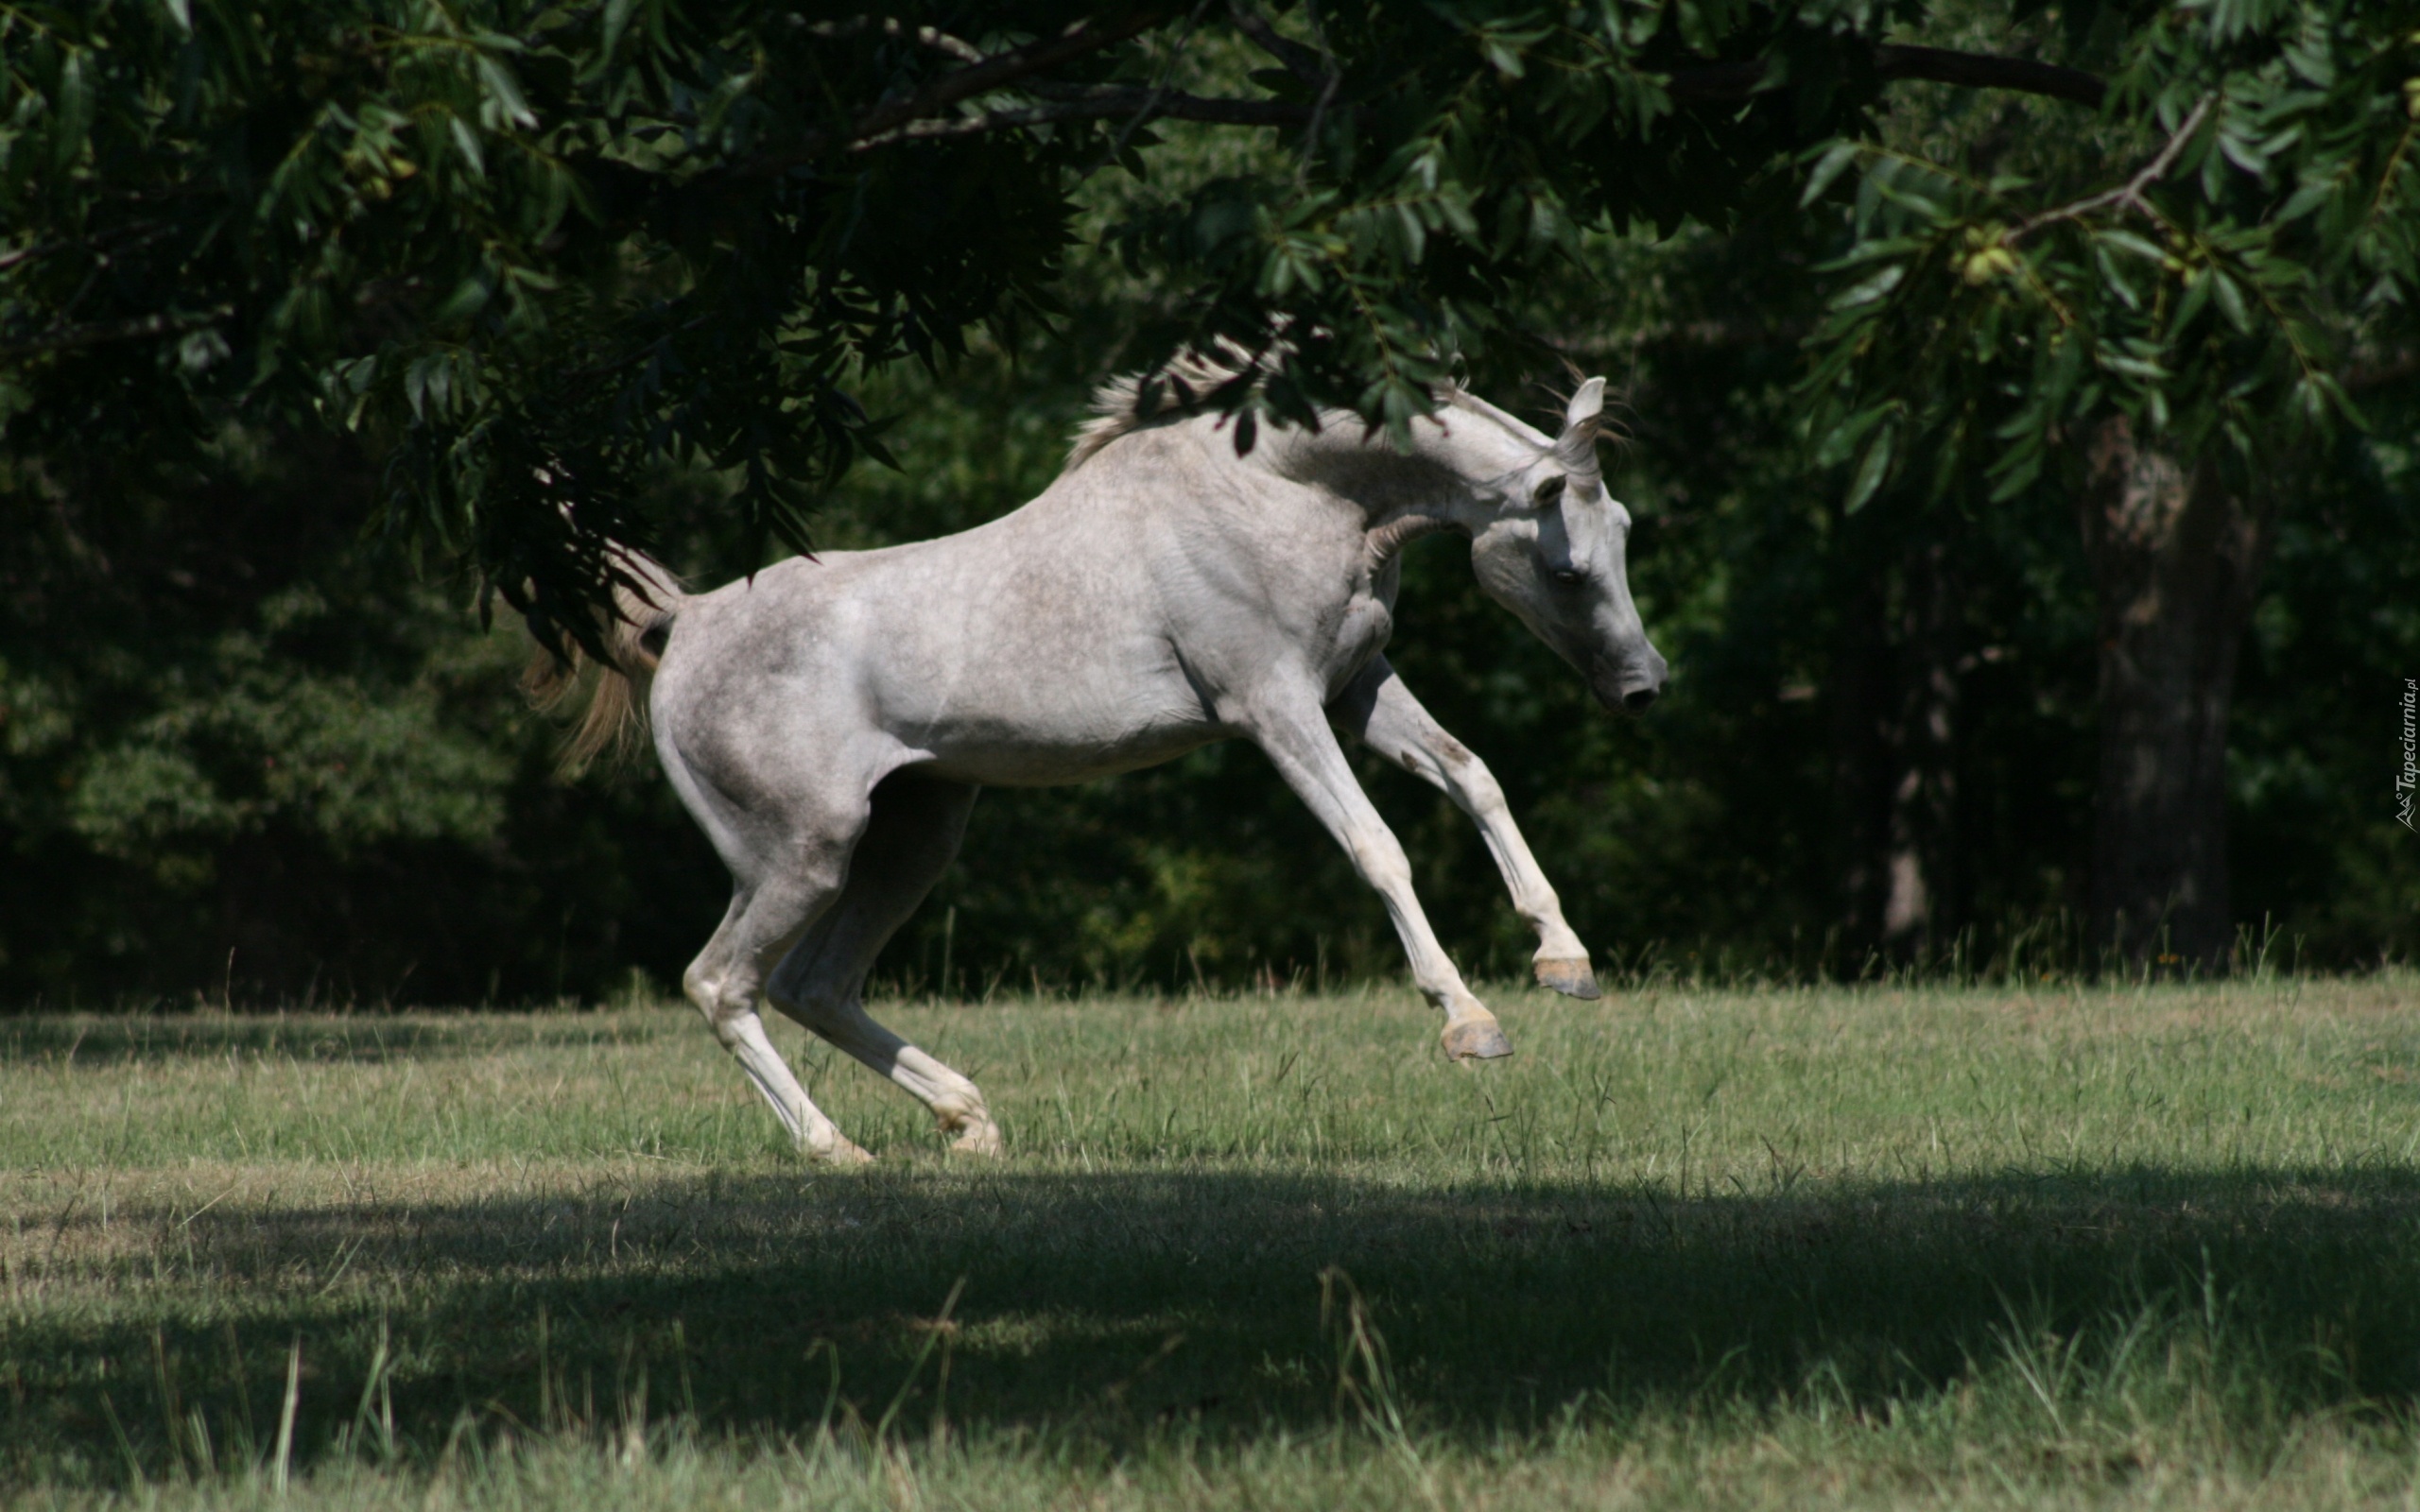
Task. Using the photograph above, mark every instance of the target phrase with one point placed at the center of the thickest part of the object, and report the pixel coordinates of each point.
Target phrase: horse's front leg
(1295, 733)
(1378, 709)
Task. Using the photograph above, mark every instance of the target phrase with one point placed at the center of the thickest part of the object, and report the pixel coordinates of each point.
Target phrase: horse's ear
(1586, 405)
(1576, 447)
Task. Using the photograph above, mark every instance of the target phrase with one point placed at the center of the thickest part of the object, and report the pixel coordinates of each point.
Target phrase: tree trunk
(2176, 557)
(1861, 698)
(1895, 705)
(1920, 909)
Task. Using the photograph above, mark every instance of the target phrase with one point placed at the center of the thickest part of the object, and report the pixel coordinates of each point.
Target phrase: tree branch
(1003, 69)
(1720, 82)
(964, 51)
(2128, 195)
(1984, 71)
(998, 71)
(1099, 105)
(1301, 62)
(923, 116)
(102, 331)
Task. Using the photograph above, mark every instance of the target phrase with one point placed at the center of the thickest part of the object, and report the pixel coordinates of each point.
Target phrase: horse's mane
(1118, 407)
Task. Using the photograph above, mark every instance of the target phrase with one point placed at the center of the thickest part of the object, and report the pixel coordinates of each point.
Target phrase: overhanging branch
(998, 71)
(1984, 71)
(1004, 69)
(1303, 63)
(2127, 195)
(101, 333)
(1720, 82)
(925, 115)
(1102, 104)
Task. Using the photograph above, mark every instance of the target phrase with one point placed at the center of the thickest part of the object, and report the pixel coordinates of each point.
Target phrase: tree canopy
(530, 247)
(1931, 263)
(2220, 284)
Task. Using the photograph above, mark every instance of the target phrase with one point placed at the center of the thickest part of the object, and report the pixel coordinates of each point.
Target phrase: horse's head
(1552, 547)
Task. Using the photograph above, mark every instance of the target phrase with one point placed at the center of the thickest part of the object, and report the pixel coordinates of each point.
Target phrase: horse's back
(1086, 633)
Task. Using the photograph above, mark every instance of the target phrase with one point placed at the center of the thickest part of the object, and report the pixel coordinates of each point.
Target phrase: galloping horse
(829, 722)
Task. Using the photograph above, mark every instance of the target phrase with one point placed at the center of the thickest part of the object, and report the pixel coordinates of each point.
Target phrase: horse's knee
(726, 1004)
(1481, 789)
(1385, 867)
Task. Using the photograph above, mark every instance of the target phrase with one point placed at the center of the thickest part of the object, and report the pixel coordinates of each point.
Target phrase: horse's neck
(1403, 496)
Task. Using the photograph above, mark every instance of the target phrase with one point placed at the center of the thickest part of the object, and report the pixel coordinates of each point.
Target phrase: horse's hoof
(1572, 978)
(1474, 1039)
(845, 1152)
(979, 1139)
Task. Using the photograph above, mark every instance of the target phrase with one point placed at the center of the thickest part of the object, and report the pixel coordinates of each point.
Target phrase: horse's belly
(1025, 761)
(1025, 710)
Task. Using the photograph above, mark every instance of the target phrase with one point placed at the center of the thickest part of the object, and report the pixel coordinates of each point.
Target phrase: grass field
(1936, 1247)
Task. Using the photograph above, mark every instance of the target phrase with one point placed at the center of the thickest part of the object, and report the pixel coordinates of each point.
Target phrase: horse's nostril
(1638, 701)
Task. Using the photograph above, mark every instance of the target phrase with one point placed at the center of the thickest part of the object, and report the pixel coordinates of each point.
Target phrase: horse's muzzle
(1630, 685)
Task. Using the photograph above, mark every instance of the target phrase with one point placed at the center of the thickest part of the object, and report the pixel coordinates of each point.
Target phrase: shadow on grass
(1107, 1304)
(372, 1039)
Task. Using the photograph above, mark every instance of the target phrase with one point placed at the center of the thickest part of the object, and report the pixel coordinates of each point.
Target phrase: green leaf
(2115, 279)
(2025, 465)
(469, 298)
(2197, 294)
(617, 16)
(1876, 288)
(2134, 367)
(504, 93)
(1865, 252)
(74, 109)
(1834, 162)
(2126, 241)
(2230, 297)
(1873, 470)
(467, 142)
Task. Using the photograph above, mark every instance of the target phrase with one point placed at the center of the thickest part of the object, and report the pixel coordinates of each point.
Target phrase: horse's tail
(613, 724)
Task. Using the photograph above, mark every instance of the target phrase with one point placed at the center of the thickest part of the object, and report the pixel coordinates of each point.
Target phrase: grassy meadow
(1880, 1247)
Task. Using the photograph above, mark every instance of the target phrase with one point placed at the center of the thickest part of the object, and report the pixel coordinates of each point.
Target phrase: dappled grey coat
(829, 721)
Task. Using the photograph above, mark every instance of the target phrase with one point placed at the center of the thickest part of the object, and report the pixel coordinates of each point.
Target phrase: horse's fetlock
(959, 1110)
(830, 1145)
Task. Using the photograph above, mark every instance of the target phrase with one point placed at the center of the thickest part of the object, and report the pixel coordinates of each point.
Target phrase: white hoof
(979, 1139)
(842, 1151)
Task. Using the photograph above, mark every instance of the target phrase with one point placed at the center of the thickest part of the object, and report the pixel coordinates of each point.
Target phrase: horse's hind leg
(915, 830)
(724, 981)
(785, 877)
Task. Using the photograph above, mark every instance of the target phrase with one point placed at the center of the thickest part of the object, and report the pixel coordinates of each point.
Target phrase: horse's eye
(1546, 490)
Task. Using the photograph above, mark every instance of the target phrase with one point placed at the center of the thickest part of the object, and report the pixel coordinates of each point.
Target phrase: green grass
(2155, 1248)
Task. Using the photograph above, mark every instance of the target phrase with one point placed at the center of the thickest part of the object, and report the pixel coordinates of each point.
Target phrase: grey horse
(828, 722)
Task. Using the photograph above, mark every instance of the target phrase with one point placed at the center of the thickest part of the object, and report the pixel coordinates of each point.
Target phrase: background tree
(566, 272)
(534, 246)
(2161, 320)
